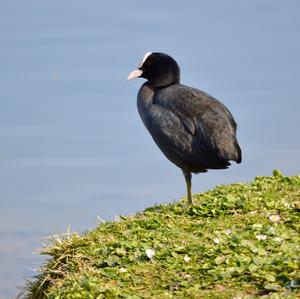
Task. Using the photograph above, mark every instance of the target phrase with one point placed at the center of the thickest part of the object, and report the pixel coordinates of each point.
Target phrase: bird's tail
(239, 153)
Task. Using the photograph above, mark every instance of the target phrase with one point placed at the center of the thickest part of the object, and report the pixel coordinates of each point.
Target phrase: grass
(237, 241)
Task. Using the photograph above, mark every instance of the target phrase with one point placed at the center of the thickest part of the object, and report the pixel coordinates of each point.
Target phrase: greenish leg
(188, 180)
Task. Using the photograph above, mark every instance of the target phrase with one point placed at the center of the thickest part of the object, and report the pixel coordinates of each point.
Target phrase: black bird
(194, 130)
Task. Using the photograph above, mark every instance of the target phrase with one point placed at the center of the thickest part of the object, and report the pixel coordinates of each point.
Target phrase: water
(72, 144)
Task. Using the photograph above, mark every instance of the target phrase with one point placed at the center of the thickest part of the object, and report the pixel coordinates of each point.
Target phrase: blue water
(72, 146)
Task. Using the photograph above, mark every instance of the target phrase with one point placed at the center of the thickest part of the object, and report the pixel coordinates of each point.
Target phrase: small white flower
(186, 258)
(274, 218)
(150, 253)
(216, 240)
(122, 270)
(278, 239)
(261, 237)
(227, 232)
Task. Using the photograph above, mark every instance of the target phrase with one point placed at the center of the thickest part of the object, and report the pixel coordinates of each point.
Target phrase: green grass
(237, 241)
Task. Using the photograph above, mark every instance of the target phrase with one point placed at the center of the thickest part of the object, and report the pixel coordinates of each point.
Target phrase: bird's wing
(205, 118)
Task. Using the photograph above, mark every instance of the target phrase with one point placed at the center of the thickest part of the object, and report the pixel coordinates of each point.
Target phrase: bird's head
(158, 68)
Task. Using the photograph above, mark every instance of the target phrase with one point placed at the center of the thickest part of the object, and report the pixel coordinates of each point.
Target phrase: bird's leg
(188, 180)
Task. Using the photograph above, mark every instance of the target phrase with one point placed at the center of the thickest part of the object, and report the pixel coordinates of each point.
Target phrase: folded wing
(210, 127)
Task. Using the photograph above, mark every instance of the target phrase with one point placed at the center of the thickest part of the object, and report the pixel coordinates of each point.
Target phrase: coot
(194, 130)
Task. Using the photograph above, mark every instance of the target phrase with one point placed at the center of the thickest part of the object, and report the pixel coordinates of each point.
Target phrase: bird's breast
(144, 102)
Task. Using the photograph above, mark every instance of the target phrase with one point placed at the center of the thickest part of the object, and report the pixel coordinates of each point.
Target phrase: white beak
(134, 74)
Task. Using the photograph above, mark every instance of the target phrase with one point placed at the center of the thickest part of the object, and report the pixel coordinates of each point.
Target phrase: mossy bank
(237, 241)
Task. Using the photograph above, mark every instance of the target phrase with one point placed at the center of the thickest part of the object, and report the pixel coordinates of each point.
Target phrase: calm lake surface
(72, 145)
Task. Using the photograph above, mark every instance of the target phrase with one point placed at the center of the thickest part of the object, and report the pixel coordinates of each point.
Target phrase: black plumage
(194, 130)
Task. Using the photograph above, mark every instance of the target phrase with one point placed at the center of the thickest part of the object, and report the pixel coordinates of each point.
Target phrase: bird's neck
(166, 80)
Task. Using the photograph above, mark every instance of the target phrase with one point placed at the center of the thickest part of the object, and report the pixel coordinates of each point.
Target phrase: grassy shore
(237, 241)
